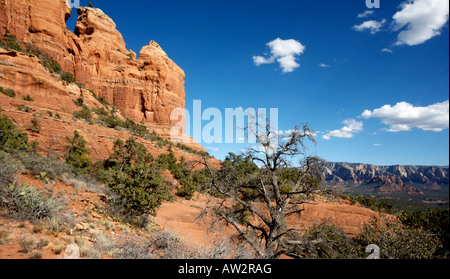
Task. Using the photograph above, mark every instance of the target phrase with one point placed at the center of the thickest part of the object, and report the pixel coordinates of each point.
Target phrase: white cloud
(323, 65)
(284, 52)
(351, 127)
(365, 14)
(377, 144)
(387, 50)
(372, 25)
(404, 116)
(214, 149)
(421, 20)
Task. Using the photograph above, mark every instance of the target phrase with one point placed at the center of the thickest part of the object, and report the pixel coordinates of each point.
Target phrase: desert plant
(325, 242)
(30, 203)
(134, 178)
(27, 244)
(9, 166)
(35, 126)
(11, 139)
(12, 42)
(77, 154)
(141, 188)
(102, 112)
(397, 241)
(85, 113)
(67, 77)
(28, 98)
(23, 108)
(50, 64)
(8, 92)
(79, 102)
(37, 165)
(436, 221)
(42, 243)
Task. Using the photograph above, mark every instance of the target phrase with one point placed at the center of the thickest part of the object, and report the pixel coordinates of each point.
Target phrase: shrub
(189, 183)
(36, 164)
(77, 154)
(27, 244)
(23, 108)
(103, 101)
(79, 102)
(397, 241)
(59, 222)
(67, 77)
(85, 114)
(50, 64)
(35, 127)
(29, 203)
(102, 112)
(191, 150)
(12, 42)
(28, 98)
(135, 129)
(8, 92)
(141, 189)
(436, 221)
(112, 121)
(11, 139)
(188, 187)
(127, 153)
(133, 176)
(326, 242)
(9, 166)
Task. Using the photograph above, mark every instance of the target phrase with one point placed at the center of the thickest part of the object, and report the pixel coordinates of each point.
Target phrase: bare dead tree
(258, 199)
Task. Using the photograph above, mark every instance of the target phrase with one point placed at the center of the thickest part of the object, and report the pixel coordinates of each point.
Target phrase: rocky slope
(386, 179)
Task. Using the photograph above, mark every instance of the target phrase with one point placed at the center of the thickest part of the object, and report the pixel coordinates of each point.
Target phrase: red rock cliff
(144, 89)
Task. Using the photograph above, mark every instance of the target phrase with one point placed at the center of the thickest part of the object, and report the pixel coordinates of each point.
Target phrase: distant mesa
(386, 179)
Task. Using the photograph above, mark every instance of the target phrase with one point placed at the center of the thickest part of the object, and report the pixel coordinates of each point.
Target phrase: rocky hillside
(386, 179)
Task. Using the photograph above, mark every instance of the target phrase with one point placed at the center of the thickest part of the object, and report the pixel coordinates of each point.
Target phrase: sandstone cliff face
(144, 89)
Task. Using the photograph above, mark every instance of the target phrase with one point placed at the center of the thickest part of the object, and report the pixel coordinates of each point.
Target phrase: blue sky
(373, 83)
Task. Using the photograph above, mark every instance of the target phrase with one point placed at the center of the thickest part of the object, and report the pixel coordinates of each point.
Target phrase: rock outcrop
(391, 185)
(386, 179)
(145, 90)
